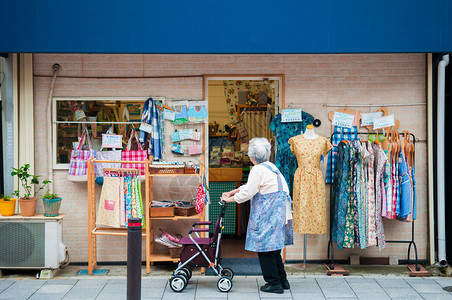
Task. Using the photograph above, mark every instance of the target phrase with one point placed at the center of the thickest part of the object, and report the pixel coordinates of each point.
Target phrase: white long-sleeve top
(262, 180)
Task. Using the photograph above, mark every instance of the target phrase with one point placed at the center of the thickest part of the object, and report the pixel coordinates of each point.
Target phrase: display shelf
(34, 217)
(113, 231)
(175, 218)
(162, 257)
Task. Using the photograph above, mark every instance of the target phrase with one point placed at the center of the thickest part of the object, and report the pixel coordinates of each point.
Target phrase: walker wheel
(188, 271)
(224, 284)
(178, 283)
(183, 272)
(227, 272)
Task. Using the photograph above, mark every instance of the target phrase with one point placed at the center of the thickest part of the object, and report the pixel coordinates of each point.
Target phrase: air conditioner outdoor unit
(31, 244)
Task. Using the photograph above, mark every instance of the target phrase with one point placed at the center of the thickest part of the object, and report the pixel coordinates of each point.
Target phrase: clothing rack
(338, 270)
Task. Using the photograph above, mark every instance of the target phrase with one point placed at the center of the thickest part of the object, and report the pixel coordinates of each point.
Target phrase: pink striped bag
(134, 155)
(78, 169)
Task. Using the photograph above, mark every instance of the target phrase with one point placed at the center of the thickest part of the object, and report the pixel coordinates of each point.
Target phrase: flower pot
(27, 206)
(51, 207)
(7, 207)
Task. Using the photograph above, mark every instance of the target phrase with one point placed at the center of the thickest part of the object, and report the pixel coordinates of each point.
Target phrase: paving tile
(392, 283)
(359, 279)
(426, 288)
(437, 296)
(335, 292)
(207, 288)
(308, 296)
(244, 285)
(91, 283)
(267, 296)
(331, 282)
(83, 293)
(395, 292)
(4, 284)
(372, 296)
(305, 287)
(443, 281)
(184, 295)
(46, 297)
(17, 294)
(241, 296)
(54, 289)
(61, 281)
(372, 287)
(342, 298)
(151, 292)
(113, 296)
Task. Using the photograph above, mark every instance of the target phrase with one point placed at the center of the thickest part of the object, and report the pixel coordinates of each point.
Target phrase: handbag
(200, 199)
(79, 158)
(175, 136)
(134, 155)
(176, 148)
(194, 149)
(108, 212)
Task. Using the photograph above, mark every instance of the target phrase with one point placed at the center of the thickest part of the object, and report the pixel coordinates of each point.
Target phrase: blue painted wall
(266, 26)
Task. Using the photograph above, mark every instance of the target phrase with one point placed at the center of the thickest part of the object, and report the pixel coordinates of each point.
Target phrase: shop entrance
(240, 108)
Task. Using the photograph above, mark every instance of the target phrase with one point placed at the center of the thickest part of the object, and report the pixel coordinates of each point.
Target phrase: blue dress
(285, 160)
(267, 228)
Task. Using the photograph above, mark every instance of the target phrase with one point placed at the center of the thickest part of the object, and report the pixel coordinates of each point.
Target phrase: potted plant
(7, 205)
(52, 204)
(27, 202)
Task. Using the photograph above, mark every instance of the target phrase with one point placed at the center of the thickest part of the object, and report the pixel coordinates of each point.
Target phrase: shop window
(72, 115)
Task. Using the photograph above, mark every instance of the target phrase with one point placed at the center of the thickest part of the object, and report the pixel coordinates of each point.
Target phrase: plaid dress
(349, 134)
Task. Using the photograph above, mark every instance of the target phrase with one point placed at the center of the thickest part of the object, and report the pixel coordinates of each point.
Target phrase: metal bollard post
(134, 259)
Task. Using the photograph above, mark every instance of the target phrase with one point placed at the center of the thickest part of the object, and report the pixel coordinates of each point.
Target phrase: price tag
(291, 115)
(384, 122)
(367, 119)
(169, 114)
(343, 120)
(79, 114)
(111, 141)
(146, 127)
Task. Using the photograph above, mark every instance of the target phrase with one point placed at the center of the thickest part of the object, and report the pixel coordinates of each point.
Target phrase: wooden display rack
(148, 233)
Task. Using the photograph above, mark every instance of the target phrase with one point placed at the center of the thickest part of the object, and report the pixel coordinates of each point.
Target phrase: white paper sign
(384, 122)
(367, 119)
(111, 141)
(146, 127)
(291, 115)
(343, 120)
(169, 114)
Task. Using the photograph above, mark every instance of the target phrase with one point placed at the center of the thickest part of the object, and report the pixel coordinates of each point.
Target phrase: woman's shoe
(286, 285)
(277, 289)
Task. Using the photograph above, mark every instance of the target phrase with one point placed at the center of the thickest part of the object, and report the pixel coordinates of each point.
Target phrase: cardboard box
(162, 211)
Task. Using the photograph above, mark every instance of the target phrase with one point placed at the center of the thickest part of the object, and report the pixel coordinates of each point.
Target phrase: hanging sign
(343, 120)
(111, 141)
(146, 127)
(367, 119)
(169, 114)
(291, 115)
(384, 122)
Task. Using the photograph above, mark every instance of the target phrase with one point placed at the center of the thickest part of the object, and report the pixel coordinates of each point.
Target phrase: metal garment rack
(330, 242)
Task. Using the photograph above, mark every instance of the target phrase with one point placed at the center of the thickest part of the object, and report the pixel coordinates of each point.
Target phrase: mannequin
(310, 133)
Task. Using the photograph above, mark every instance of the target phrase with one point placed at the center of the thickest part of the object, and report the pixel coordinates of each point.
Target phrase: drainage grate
(447, 288)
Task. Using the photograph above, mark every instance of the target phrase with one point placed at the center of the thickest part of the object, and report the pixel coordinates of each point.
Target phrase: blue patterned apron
(267, 228)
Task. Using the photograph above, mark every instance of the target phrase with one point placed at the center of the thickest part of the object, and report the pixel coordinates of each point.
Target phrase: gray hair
(259, 149)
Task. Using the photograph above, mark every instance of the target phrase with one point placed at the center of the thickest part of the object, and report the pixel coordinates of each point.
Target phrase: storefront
(342, 71)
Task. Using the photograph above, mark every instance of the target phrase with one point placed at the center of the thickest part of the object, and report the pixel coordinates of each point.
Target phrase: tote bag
(107, 155)
(134, 155)
(108, 213)
(79, 158)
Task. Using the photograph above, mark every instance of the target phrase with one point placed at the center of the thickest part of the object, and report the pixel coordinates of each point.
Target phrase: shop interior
(239, 110)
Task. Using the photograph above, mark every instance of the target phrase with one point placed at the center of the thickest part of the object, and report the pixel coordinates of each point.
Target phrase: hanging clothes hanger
(385, 143)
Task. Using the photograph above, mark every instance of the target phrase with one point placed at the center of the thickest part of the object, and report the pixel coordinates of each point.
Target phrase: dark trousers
(272, 267)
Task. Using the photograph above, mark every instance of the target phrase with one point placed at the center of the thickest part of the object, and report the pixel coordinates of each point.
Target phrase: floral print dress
(309, 198)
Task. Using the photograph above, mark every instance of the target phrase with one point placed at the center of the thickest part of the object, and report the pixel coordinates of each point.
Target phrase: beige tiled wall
(312, 82)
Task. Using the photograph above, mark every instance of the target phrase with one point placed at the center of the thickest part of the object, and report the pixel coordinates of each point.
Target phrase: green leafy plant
(49, 195)
(28, 181)
(5, 197)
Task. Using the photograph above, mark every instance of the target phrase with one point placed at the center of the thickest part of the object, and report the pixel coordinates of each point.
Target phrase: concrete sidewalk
(244, 287)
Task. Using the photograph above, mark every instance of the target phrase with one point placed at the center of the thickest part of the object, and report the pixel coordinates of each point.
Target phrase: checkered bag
(78, 165)
(134, 155)
(343, 133)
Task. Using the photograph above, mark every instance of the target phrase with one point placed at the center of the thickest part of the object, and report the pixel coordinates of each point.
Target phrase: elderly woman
(270, 225)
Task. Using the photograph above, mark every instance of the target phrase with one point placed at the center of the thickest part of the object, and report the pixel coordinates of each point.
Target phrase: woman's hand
(229, 194)
(227, 199)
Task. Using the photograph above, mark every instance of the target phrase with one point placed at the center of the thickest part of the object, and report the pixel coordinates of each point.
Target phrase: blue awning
(175, 26)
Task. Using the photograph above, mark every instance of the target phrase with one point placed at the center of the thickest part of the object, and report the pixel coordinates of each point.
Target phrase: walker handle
(202, 223)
